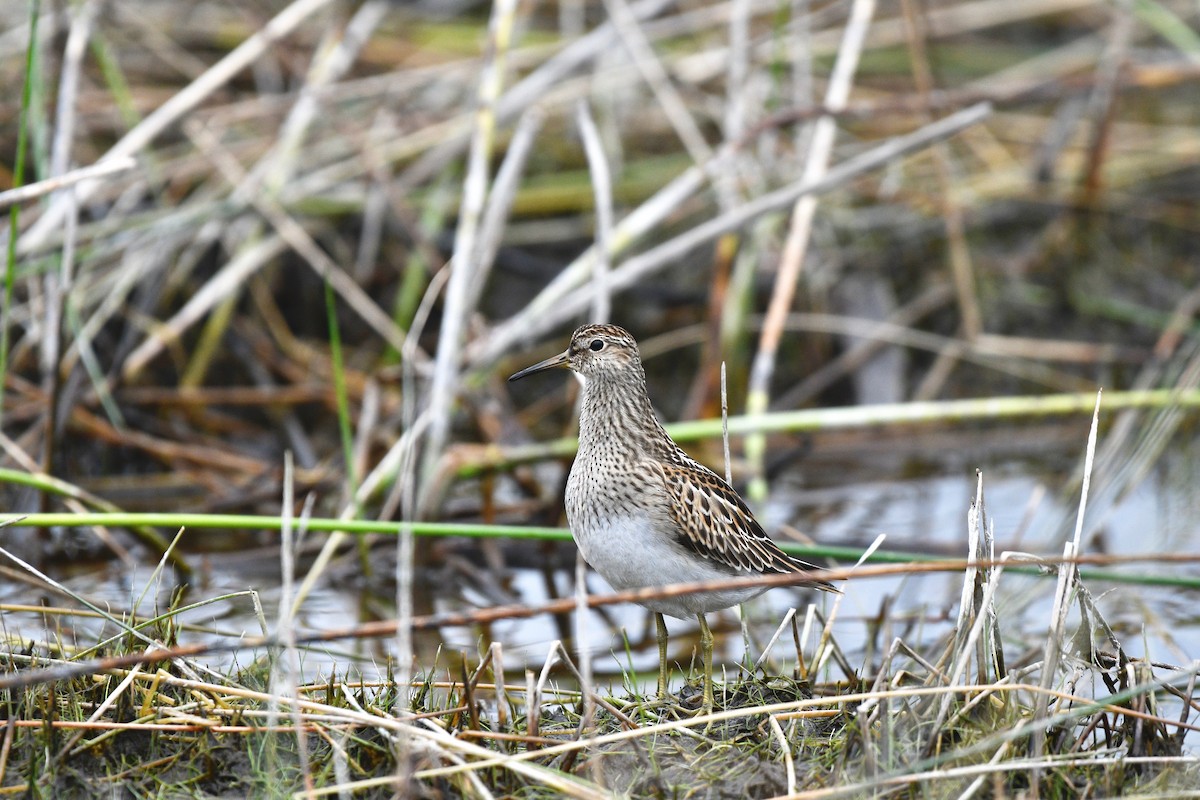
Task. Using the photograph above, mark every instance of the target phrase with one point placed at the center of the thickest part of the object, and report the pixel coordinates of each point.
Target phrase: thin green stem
(14, 229)
(340, 390)
(531, 532)
(822, 419)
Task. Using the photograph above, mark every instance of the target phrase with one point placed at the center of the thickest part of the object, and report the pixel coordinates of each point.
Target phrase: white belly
(630, 554)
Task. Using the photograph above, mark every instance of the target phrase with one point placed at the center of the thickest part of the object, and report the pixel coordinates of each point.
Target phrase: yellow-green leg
(706, 650)
(661, 625)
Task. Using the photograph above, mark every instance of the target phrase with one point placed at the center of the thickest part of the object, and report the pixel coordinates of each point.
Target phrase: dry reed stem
(601, 180)
(387, 628)
(500, 199)
(178, 106)
(784, 711)
(795, 247)
(32, 191)
(652, 71)
(559, 302)
(138, 265)
(1068, 577)
(443, 386)
(958, 253)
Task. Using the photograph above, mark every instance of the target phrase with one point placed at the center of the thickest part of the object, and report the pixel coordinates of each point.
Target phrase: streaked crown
(598, 349)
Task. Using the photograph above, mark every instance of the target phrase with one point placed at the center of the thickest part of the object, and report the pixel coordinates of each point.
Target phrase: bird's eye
(597, 344)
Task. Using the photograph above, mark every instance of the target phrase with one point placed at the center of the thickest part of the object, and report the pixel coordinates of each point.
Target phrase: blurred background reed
(331, 229)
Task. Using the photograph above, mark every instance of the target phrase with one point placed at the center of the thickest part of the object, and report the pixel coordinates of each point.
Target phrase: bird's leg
(706, 651)
(661, 625)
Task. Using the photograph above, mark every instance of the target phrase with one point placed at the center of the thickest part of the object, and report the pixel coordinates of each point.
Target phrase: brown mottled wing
(716, 523)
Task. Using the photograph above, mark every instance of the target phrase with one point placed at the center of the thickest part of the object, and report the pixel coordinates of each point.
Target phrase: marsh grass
(285, 250)
(959, 715)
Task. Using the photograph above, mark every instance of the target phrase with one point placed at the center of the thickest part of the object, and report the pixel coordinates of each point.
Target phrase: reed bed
(275, 261)
(959, 715)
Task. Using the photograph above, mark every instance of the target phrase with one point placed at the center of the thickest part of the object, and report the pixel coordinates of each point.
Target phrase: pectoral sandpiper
(642, 511)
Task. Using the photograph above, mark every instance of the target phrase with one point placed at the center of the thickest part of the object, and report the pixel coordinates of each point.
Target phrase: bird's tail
(816, 583)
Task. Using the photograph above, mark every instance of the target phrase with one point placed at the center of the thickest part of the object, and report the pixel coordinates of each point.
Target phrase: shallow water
(829, 497)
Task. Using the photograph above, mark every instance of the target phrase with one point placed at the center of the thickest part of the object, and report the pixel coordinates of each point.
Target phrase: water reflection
(924, 513)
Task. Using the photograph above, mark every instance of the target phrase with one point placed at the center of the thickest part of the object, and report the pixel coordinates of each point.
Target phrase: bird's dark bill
(559, 361)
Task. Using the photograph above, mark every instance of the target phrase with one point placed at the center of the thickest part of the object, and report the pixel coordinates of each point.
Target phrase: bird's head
(594, 350)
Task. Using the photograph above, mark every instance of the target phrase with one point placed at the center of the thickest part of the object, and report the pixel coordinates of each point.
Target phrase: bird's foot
(669, 706)
(668, 703)
(695, 701)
